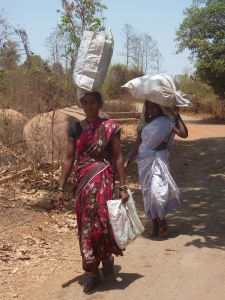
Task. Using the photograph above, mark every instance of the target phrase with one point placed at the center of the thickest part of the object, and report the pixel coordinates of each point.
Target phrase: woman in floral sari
(160, 192)
(97, 143)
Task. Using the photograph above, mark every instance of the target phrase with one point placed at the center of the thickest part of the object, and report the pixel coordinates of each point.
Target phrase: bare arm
(134, 150)
(118, 157)
(66, 169)
(180, 128)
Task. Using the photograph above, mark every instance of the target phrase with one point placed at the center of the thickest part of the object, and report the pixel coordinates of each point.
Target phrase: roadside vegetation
(31, 86)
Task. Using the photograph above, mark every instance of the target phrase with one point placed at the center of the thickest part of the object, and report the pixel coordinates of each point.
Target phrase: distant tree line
(203, 33)
(141, 51)
(39, 85)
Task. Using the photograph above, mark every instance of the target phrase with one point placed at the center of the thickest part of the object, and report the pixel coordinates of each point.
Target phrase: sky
(157, 18)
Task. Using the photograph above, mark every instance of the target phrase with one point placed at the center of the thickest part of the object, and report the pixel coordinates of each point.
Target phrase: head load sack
(92, 62)
(159, 89)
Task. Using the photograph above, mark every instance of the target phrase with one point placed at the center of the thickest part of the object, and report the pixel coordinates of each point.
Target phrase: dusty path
(189, 263)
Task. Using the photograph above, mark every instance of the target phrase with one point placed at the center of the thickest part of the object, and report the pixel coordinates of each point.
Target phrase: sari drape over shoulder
(93, 186)
(160, 192)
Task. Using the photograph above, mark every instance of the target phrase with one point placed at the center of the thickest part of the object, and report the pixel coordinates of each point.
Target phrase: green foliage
(117, 76)
(34, 61)
(75, 17)
(9, 55)
(205, 100)
(190, 85)
(203, 33)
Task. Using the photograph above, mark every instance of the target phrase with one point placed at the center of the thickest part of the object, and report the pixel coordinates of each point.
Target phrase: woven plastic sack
(93, 61)
(159, 89)
(124, 221)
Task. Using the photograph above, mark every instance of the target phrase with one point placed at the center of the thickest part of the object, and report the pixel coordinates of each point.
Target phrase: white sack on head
(159, 89)
(93, 61)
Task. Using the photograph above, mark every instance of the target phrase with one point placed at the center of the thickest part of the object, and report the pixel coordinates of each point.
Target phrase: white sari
(160, 192)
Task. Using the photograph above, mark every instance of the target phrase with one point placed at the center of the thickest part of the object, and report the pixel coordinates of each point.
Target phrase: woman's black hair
(97, 96)
(146, 113)
(146, 117)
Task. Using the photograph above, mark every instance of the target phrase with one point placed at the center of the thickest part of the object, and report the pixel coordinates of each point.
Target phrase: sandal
(163, 229)
(91, 283)
(109, 269)
(153, 233)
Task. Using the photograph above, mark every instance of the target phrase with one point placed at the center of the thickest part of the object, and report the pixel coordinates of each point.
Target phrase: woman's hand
(124, 196)
(180, 128)
(175, 111)
(125, 165)
(59, 200)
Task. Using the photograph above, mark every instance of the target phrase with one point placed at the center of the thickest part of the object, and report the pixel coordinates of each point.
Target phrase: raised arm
(180, 128)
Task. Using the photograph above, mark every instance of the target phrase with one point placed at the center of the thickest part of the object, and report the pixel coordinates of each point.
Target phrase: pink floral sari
(93, 186)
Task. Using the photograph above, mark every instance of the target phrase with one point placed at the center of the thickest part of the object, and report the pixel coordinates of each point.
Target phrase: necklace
(90, 123)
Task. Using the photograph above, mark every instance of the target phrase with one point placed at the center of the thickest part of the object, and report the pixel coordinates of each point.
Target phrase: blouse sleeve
(72, 131)
(75, 130)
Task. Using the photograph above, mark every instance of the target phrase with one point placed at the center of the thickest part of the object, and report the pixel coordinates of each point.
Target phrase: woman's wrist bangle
(122, 188)
(61, 190)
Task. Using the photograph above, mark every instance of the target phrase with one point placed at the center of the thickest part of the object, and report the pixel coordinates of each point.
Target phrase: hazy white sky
(158, 18)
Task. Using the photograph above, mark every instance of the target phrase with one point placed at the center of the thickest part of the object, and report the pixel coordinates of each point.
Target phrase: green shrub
(117, 76)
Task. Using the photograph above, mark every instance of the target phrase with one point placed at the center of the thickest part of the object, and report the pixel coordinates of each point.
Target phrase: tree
(75, 17)
(9, 56)
(55, 46)
(21, 33)
(117, 76)
(194, 87)
(203, 33)
(140, 50)
(128, 34)
(5, 29)
(147, 51)
(58, 69)
(158, 60)
(16, 35)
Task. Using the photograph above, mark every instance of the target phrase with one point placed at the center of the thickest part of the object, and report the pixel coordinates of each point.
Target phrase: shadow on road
(120, 281)
(198, 167)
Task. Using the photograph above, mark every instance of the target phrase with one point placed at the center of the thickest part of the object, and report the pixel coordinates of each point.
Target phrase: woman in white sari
(160, 192)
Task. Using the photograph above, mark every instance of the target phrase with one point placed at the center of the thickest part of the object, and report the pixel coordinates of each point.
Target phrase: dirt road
(188, 264)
